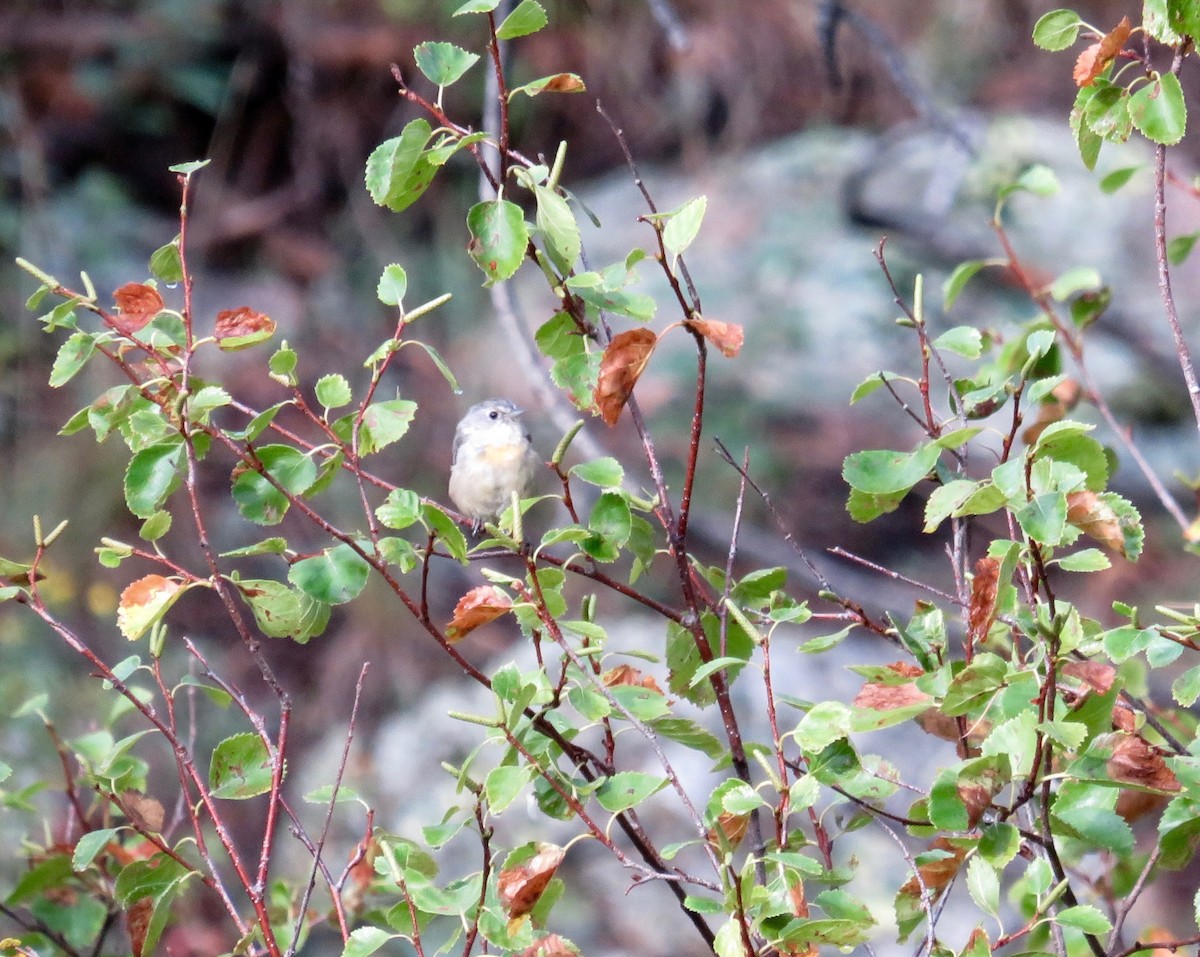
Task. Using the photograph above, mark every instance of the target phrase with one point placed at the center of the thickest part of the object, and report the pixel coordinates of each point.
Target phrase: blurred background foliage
(287, 98)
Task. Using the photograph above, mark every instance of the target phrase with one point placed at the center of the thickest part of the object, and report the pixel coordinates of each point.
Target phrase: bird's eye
(493, 415)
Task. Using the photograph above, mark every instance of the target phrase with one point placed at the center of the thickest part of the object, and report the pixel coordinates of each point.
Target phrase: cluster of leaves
(1052, 750)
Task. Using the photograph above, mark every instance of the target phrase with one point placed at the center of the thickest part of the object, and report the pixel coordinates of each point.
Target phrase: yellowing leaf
(144, 602)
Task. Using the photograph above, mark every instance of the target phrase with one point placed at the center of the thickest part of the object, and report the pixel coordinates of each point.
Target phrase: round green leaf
(335, 577)
(1158, 110)
(443, 63)
(260, 501)
(241, 767)
(392, 284)
(527, 18)
(333, 391)
(1057, 29)
(150, 477)
(498, 238)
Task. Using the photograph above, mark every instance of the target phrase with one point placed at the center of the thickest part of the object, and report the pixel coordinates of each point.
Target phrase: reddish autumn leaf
(879, 697)
(1123, 719)
(906, 669)
(726, 336)
(564, 83)
(983, 598)
(978, 787)
(1096, 519)
(730, 826)
(477, 607)
(629, 675)
(137, 924)
(241, 328)
(1097, 675)
(146, 813)
(520, 886)
(620, 368)
(799, 902)
(138, 304)
(1135, 761)
(936, 874)
(1095, 59)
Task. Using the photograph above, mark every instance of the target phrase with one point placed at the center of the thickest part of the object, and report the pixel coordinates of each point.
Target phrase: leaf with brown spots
(936, 875)
(519, 886)
(138, 304)
(984, 587)
(880, 697)
(622, 364)
(477, 607)
(726, 336)
(1095, 59)
(241, 328)
(629, 675)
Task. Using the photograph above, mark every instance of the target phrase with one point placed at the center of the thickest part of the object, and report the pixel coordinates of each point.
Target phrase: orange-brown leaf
(477, 607)
(1095, 59)
(629, 675)
(242, 327)
(879, 697)
(622, 365)
(143, 602)
(726, 336)
(1095, 674)
(937, 874)
(730, 826)
(1135, 761)
(138, 304)
(564, 83)
(983, 598)
(1096, 519)
(145, 812)
(137, 923)
(520, 887)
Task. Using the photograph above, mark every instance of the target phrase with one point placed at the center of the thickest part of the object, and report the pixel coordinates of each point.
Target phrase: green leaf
(498, 238)
(447, 531)
(825, 723)
(398, 170)
(1158, 110)
(558, 227)
(711, 667)
(241, 767)
(383, 423)
(73, 354)
(999, 843)
(283, 612)
(1057, 29)
(1085, 918)
(165, 263)
(957, 280)
(610, 524)
(1118, 178)
(476, 6)
(983, 884)
(627, 789)
(1184, 18)
(443, 64)
(187, 169)
(1186, 688)
(1088, 141)
(966, 341)
(1180, 247)
(333, 391)
(603, 472)
(282, 366)
(683, 225)
(884, 472)
(1044, 517)
(503, 785)
(1079, 279)
(260, 501)
(1085, 560)
(335, 576)
(364, 941)
(400, 510)
(975, 684)
(90, 845)
(529, 17)
(151, 477)
(393, 284)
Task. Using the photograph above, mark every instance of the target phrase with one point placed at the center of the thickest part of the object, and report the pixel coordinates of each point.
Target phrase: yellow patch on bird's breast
(503, 454)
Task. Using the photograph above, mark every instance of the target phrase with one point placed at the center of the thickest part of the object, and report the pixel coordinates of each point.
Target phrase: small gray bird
(493, 457)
